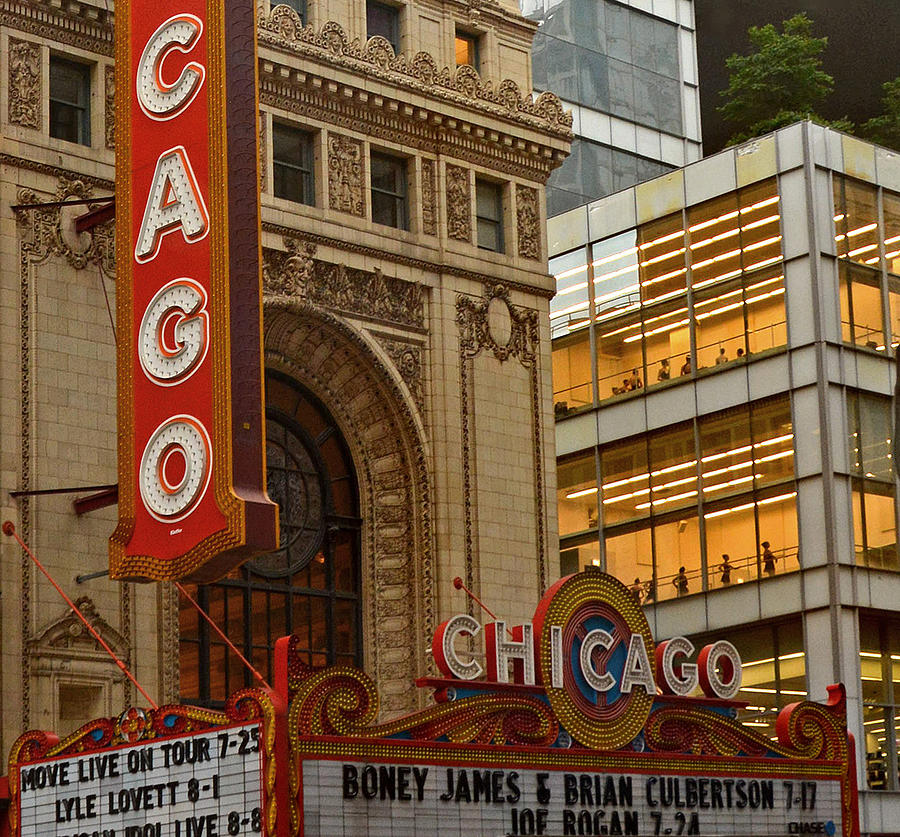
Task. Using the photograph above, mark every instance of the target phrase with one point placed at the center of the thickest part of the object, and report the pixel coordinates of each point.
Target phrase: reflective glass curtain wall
(683, 295)
(867, 242)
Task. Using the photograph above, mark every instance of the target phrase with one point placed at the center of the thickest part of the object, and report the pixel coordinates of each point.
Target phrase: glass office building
(628, 71)
(724, 351)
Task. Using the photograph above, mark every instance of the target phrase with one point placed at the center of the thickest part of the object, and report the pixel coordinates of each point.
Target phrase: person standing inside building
(680, 583)
(722, 358)
(725, 568)
(664, 371)
(637, 590)
(769, 559)
(686, 366)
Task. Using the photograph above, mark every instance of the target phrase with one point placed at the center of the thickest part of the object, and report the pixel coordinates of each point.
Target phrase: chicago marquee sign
(192, 501)
(588, 736)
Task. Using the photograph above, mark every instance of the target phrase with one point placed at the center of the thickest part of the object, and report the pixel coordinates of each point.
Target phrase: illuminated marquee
(576, 726)
(192, 500)
(177, 771)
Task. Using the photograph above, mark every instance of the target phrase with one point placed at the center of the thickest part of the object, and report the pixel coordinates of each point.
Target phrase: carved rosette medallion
(528, 222)
(25, 98)
(345, 185)
(459, 204)
(429, 199)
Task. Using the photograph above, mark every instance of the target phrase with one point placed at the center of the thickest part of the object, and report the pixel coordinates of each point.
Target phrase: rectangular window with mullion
(70, 98)
(383, 19)
(389, 191)
(292, 164)
(489, 215)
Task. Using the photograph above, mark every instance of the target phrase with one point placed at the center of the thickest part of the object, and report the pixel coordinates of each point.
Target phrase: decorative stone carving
(263, 168)
(287, 274)
(69, 633)
(25, 97)
(429, 198)
(459, 204)
(282, 28)
(480, 323)
(83, 25)
(408, 359)
(495, 325)
(345, 187)
(109, 113)
(294, 273)
(338, 364)
(528, 229)
(40, 234)
(45, 229)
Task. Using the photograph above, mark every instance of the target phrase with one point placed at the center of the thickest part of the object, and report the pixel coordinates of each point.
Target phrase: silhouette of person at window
(634, 382)
(722, 358)
(637, 590)
(686, 366)
(725, 568)
(769, 559)
(680, 583)
(664, 372)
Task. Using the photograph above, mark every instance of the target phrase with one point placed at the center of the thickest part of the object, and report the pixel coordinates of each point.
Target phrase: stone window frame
(309, 136)
(88, 70)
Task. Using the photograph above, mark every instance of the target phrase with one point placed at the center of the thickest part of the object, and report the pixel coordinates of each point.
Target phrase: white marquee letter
(180, 443)
(676, 678)
(595, 639)
(174, 334)
(500, 651)
(442, 647)
(728, 684)
(163, 101)
(638, 671)
(174, 202)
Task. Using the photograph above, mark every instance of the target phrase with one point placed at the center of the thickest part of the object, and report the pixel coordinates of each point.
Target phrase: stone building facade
(406, 317)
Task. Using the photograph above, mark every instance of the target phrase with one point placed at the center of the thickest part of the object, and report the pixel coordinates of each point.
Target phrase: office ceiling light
(573, 271)
(584, 492)
(702, 225)
(661, 240)
(621, 254)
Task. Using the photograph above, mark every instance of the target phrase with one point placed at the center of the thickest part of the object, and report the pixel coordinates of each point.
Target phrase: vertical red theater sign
(192, 500)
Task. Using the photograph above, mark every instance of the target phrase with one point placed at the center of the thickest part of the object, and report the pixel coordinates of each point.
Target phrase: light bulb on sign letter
(174, 202)
(163, 101)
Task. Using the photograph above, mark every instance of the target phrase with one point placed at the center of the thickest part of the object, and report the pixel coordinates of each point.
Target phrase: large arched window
(310, 586)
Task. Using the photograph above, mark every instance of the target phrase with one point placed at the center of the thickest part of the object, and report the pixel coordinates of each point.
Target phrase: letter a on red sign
(192, 496)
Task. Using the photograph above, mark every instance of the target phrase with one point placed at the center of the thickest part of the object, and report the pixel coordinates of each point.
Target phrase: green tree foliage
(779, 82)
(885, 129)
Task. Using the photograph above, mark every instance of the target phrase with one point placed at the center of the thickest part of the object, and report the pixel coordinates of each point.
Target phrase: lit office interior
(773, 673)
(879, 658)
(867, 238)
(675, 297)
(686, 497)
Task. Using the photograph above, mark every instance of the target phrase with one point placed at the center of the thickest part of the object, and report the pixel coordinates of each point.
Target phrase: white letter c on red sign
(163, 101)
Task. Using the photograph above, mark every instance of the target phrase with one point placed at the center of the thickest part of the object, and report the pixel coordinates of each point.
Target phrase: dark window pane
(389, 201)
(272, 595)
(292, 167)
(383, 20)
(489, 215)
(70, 94)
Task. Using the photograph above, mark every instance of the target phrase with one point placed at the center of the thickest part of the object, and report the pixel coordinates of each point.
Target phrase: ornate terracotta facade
(418, 342)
